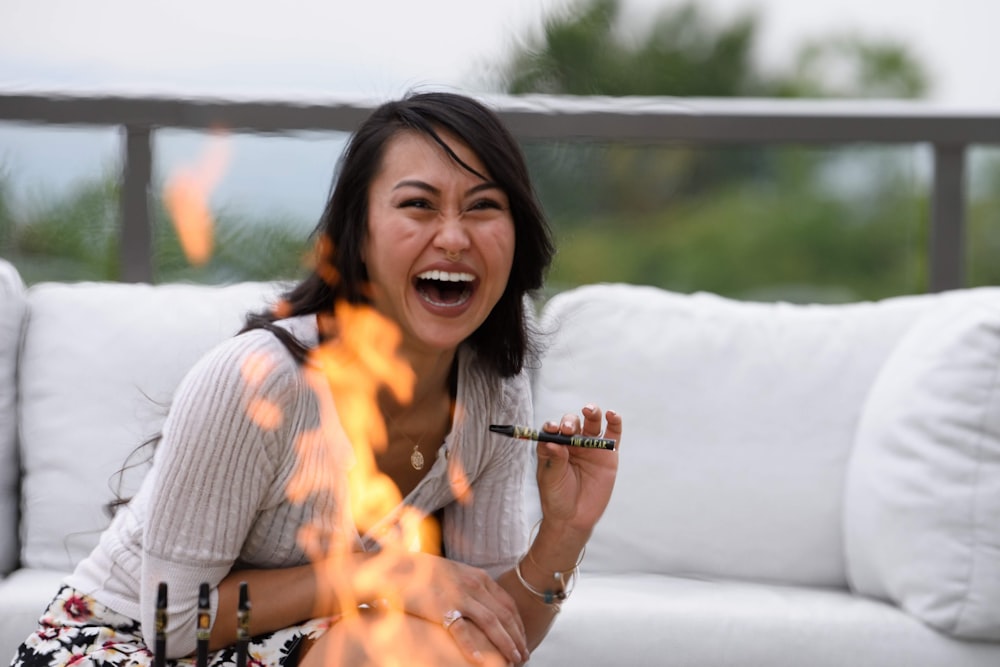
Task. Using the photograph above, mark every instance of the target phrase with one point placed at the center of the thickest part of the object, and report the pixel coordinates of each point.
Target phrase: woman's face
(440, 241)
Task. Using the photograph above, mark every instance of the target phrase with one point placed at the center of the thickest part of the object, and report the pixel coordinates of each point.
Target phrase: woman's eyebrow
(427, 187)
(421, 185)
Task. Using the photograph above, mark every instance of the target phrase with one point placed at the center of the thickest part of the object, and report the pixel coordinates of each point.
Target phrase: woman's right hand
(437, 589)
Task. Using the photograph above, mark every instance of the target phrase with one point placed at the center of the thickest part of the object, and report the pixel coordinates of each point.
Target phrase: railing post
(947, 232)
(136, 232)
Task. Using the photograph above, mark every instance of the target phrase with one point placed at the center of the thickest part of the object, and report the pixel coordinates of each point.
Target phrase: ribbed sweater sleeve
(487, 527)
(244, 422)
(216, 467)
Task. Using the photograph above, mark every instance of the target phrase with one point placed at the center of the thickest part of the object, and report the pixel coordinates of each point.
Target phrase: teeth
(447, 276)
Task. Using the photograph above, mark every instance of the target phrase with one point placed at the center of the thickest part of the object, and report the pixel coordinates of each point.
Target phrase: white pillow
(12, 309)
(922, 500)
(99, 365)
(738, 423)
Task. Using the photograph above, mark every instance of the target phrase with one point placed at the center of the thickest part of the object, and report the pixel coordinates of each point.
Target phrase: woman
(433, 227)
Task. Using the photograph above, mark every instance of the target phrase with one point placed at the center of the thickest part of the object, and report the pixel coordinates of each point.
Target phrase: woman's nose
(452, 236)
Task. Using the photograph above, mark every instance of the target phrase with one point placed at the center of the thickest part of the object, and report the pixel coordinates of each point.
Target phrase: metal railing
(949, 132)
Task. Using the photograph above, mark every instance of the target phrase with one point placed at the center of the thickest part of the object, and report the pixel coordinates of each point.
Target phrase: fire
(347, 373)
(356, 364)
(186, 194)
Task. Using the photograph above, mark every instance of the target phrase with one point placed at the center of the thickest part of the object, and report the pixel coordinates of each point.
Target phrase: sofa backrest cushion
(13, 305)
(922, 504)
(738, 422)
(98, 369)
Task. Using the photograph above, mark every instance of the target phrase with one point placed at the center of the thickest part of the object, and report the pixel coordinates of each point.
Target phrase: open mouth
(445, 288)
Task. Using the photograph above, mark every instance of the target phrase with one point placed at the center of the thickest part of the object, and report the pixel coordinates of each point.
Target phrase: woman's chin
(443, 334)
(441, 340)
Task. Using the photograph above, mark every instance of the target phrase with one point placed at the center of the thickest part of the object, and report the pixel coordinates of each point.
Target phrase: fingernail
(477, 656)
(517, 656)
(590, 407)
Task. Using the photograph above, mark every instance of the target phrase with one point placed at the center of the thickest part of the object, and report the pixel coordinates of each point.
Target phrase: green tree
(738, 220)
(984, 223)
(72, 237)
(848, 65)
(76, 237)
(587, 50)
(684, 53)
(6, 214)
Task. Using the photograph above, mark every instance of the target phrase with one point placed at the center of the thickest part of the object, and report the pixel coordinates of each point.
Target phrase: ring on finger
(450, 617)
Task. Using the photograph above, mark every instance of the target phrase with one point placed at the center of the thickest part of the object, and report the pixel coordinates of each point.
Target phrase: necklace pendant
(416, 458)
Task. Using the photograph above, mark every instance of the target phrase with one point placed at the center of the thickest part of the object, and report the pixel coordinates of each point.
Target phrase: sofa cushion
(99, 366)
(644, 620)
(13, 306)
(738, 422)
(922, 519)
(23, 597)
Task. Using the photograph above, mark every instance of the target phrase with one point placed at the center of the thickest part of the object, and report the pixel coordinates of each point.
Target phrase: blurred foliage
(70, 237)
(848, 65)
(582, 53)
(745, 221)
(76, 237)
(796, 242)
(587, 49)
(768, 222)
(244, 249)
(983, 231)
(6, 214)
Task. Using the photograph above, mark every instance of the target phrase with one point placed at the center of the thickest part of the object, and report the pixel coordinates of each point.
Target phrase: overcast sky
(383, 47)
(378, 48)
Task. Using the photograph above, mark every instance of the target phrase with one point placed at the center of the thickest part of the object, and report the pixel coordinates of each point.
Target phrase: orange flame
(356, 365)
(185, 196)
(347, 373)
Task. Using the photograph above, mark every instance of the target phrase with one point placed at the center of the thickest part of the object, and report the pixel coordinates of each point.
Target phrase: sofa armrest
(13, 309)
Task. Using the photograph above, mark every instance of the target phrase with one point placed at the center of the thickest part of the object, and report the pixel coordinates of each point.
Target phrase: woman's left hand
(575, 483)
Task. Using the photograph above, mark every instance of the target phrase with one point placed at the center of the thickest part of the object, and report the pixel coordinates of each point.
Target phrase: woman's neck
(433, 370)
(432, 375)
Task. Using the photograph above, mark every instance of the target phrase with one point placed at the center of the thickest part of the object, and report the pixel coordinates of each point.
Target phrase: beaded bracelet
(566, 581)
(552, 598)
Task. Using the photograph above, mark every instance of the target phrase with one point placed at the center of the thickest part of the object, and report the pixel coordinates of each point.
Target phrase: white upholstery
(740, 419)
(23, 597)
(13, 307)
(98, 368)
(647, 620)
(740, 422)
(923, 495)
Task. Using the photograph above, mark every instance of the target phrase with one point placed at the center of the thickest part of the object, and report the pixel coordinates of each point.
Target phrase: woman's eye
(482, 204)
(415, 203)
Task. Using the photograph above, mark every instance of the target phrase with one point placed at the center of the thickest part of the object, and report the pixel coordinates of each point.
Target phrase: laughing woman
(433, 226)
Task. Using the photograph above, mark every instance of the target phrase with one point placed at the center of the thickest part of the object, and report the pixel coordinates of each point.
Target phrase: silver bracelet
(551, 597)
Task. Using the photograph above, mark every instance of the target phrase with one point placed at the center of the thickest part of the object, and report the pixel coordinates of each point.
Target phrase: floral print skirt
(78, 631)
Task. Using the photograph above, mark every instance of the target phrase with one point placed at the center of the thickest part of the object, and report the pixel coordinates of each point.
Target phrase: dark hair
(501, 341)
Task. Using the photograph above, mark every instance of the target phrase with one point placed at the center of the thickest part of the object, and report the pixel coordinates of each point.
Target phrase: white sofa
(799, 485)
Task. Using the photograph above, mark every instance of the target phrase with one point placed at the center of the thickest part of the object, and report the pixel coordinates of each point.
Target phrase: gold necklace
(416, 456)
